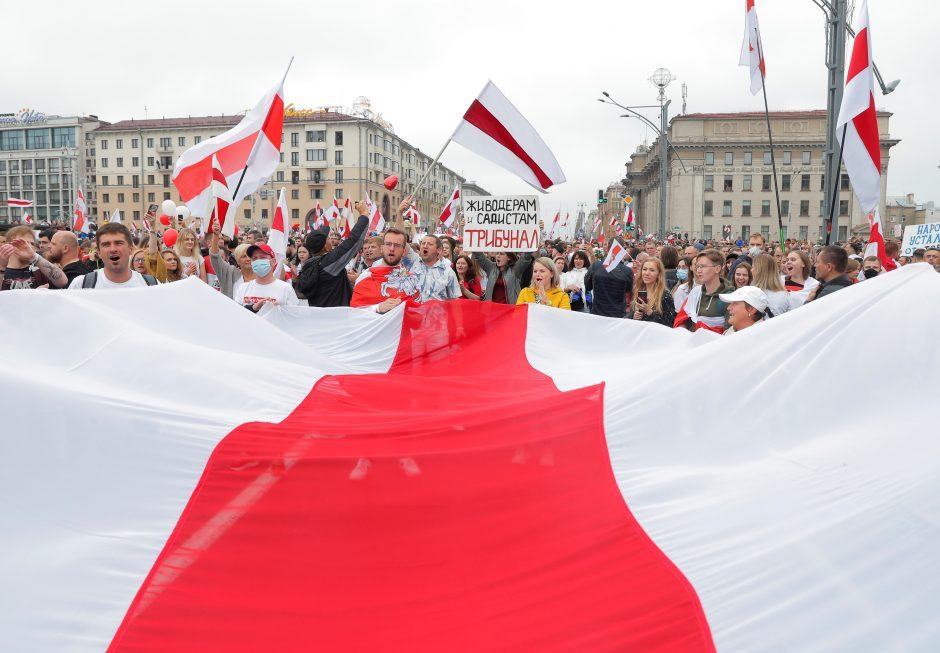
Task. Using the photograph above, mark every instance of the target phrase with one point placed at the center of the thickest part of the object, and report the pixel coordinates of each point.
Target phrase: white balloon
(183, 212)
(168, 207)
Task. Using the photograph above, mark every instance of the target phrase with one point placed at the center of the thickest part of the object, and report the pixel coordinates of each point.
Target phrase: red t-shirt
(499, 290)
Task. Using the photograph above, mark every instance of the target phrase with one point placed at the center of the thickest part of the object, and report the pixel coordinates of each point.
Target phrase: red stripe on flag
(274, 121)
(194, 179)
(481, 118)
(859, 61)
(866, 124)
(324, 532)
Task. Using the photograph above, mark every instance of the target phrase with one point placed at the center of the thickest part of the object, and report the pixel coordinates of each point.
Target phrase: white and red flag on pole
(493, 128)
(17, 201)
(318, 220)
(412, 215)
(220, 198)
(252, 146)
(876, 242)
(449, 213)
(857, 126)
(376, 219)
(80, 223)
(554, 225)
(332, 213)
(628, 215)
(597, 224)
(752, 50)
(615, 255)
(26, 218)
(346, 213)
(277, 236)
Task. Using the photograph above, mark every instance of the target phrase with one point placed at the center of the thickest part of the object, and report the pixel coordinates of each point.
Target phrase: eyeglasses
(138, 260)
(705, 267)
(394, 245)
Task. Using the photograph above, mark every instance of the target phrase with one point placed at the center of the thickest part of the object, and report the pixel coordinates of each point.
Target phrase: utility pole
(835, 63)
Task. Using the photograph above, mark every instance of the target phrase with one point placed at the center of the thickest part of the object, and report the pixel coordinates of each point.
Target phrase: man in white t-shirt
(264, 288)
(114, 249)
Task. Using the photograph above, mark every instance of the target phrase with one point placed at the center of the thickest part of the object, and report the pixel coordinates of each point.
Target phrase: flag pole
(835, 188)
(428, 171)
(770, 136)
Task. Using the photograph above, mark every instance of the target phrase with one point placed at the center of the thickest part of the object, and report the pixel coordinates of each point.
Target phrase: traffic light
(600, 197)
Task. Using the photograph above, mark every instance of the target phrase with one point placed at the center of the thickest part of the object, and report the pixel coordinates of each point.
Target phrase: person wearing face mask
(264, 288)
(756, 244)
(871, 268)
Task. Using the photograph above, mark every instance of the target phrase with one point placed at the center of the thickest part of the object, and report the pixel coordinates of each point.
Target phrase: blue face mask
(261, 267)
(682, 274)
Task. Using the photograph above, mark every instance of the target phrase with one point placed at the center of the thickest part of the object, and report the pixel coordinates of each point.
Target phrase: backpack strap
(89, 280)
(151, 280)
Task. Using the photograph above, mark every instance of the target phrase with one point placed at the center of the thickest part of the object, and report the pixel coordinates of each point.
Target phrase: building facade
(44, 159)
(325, 153)
(720, 181)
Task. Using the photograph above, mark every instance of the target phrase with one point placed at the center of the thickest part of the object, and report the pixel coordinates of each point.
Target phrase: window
(707, 232)
(746, 208)
(729, 183)
(709, 158)
(784, 182)
(804, 208)
(787, 157)
(804, 182)
(166, 195)
(709, 208)
(822, 182)
(295, 158)
(726, 208)
(843, 182)
(104, 163)
(295, 139)
(120, 162)
(136, 215)
(119, 143)
(280, 175)
(822, 208)
(785, 208)
(247, 214)
(135, 181)
(197, 140)
(338, 138)
(294, 194)
(151, 197)
(314, 176)
(106, 197)
(843, 207)
(316, 136)
(316, 155)
(764, 208)
(745, 232)
(135, 161)
(843, 233)
(120, 180)
(295, 176)
(339, 176)
(181, 141)
(807, 158)
(103, 145)
(709, 182)
(339, 193)
(166, 181)
(280, 157)
(747, 182)
(104, 180)
(136, 197)
(765, 232)
(748, 158)
(149, 142)
(804, 233)
(150, 162)
(166, 143)
(767, 158)
(338, 155)
(729, 158)
(765, 183)
(317, 194)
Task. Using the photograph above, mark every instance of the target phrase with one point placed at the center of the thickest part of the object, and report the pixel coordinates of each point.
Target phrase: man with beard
(64, 252)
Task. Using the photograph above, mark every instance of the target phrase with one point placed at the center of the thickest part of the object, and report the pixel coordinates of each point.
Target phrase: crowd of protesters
(716, 285)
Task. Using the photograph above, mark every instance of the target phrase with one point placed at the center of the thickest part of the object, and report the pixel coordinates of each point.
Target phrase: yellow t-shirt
(556, 297)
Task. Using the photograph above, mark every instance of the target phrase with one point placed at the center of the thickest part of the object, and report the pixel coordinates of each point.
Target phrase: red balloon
(165, 220)
(295, 226)
(391, 182)
(169, 237)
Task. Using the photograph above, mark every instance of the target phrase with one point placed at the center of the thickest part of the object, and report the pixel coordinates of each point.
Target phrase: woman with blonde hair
(231, 277)
(187, 248)
(174, 267)
(652, 302)
(544, 289)
(767, 277)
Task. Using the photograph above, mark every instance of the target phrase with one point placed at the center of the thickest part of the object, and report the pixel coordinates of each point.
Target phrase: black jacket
(323, 279)
(609, 289)
(829, 287)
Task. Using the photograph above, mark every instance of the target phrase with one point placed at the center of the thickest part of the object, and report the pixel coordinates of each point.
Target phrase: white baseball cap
(751, 295)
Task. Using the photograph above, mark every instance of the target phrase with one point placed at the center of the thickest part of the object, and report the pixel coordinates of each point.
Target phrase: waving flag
(26, 218)
(346, 214)
(752, 49)
(332, 213)
(17, 201)
(220, 200)
(412, 215)
(254, 142)
(597, 224)
(493, 128)
(277, 236)
(876, 242)
(615, 255)
(235, 499)
(857, 126)
(554, 225)
(80, 223)
(449, 213)
(376, 219)
(628, 215)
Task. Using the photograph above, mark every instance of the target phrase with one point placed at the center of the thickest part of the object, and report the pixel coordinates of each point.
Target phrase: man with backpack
(114, 248)
(323, 280)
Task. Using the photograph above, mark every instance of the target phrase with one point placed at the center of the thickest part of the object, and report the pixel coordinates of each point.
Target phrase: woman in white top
(767, 278)
(187, 247)
(572, 281)
(798, 282)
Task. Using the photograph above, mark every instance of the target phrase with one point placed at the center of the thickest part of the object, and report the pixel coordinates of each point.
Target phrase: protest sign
(505, 223)
(920, 236)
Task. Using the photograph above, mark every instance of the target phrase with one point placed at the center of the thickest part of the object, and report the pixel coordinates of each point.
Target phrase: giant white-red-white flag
(449, 213)
(80, 223)
(254, 142)
(752, 50)
(857, 126)
(493, 128)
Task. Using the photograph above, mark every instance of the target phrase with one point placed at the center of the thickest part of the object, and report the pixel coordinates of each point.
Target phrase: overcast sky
(422, 63)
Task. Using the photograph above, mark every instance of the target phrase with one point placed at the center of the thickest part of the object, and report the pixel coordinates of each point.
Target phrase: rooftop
(216, 121)
(810, 113)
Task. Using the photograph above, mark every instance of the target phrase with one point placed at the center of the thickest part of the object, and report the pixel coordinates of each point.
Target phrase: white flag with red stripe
(80, 223)
(376, 219)
(411, 214)
(332, 212)
(346, 214)
(876, 242)
(27, 219)
(18, 201)
(449, 213)
(857, 126)
(220, 199)
(628, 215)
(597, 224)
(318, 220)
(615, 255)
(752, 50)
(554, 226)
(277, 236)
(493, 128)
(254, 142)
